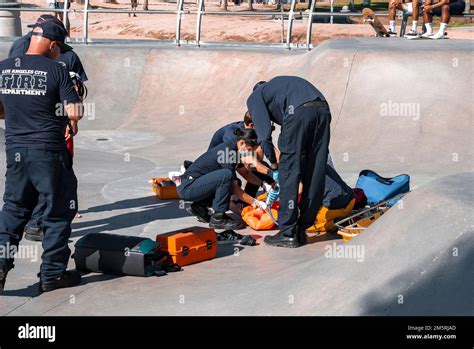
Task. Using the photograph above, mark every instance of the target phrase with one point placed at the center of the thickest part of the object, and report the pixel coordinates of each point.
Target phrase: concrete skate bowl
(397, 107)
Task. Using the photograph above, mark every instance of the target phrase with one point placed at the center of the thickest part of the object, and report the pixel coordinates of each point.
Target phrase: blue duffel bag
(378, 188)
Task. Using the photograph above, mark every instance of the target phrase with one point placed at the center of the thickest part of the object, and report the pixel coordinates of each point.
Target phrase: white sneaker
(412, 35)
(437, 36)
(427, 34)
(392, 33)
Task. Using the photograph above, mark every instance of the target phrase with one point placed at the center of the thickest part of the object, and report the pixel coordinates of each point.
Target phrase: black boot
(302, 237)
(200, 211)
(34, 234)
(3, 276)
(281, 240)
(223, 221)
(68, 279)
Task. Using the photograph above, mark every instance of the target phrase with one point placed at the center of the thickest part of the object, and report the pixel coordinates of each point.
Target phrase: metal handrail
(290, 24)
(47, 9)
(65, 12)
(309, 29)
(198, 22)
(244, 13)
(179, 17)
(180, 11)
(85, 22)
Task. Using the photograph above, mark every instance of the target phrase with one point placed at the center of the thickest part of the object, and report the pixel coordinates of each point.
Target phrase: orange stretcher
(355, 224)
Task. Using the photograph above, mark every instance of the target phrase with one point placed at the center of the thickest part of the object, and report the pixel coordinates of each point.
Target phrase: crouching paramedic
(303, 114)
(209, 180)
(37, 93)
(229, 133)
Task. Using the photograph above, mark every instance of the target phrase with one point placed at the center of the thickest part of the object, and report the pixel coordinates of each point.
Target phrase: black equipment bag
(120, 254)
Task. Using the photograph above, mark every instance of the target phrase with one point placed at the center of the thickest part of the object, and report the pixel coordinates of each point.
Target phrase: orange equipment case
(189, 245)
(164, 192)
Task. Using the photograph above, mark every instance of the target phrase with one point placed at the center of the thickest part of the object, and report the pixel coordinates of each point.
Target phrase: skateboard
(369, 16)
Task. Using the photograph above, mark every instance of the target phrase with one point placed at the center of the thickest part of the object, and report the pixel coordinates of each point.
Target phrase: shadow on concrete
(98, 278)
(228, 250)
(447, 290)
(143, 202)
(148, 213)
(312, 239)
(32, 291)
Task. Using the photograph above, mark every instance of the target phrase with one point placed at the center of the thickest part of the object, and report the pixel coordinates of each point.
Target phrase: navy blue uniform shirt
(271, 101)
(69, 59)
(226, 133)
(222, 156)
(32, 89)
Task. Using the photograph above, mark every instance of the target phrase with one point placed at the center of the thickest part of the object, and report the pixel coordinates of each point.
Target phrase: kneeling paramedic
(303, 114)
(229, 133)
(209, 181)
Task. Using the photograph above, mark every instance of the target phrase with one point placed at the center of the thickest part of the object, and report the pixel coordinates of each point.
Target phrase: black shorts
(455, 8)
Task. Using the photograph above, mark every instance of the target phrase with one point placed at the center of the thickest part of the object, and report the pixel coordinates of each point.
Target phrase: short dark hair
(248, 135)
(247, 118)
(258, 84)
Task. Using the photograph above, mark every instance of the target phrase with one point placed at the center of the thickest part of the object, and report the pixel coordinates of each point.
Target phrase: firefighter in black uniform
(39, 98)
(303, 114)
(209, 180)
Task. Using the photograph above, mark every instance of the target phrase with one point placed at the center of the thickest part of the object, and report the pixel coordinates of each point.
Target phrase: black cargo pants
(305, 133)
(46, 177)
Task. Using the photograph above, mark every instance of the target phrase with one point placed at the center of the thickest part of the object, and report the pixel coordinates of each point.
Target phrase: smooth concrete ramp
(397, 106)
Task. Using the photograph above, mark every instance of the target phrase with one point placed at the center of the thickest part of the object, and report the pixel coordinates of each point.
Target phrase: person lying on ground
(338, 200)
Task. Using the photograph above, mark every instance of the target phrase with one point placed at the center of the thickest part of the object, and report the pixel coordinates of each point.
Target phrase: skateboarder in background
(405, 6)
(303, 114)
(443, 9)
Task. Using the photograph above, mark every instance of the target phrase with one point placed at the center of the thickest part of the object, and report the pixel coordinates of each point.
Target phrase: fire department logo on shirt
(23, 82)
